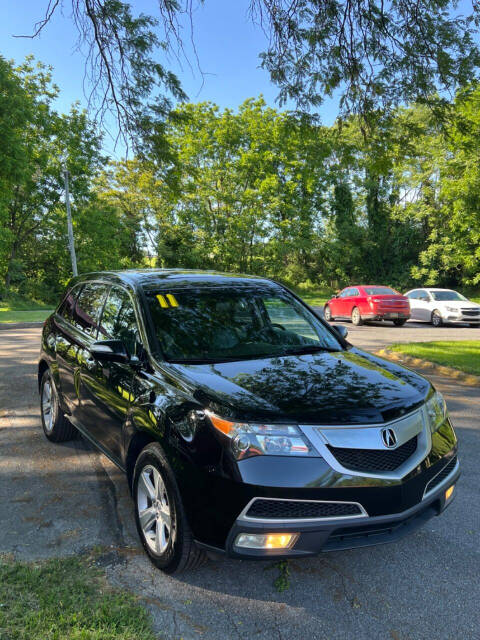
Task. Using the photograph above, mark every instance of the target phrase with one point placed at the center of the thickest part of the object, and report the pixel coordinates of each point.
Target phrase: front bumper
(453, 317)
(330, 534)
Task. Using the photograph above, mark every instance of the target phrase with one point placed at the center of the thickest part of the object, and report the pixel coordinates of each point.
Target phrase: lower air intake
(266, 509)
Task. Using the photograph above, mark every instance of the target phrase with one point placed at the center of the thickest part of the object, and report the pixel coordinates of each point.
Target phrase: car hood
(349, 386)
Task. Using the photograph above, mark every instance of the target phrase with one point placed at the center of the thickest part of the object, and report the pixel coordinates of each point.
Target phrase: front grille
(372, 460)
(291, 509)
(440, 477)
(470, 312)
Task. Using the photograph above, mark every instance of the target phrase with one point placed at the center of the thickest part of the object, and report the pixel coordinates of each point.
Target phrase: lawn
(66, 598)
(19, 309)
(463, 355)
(315, 297)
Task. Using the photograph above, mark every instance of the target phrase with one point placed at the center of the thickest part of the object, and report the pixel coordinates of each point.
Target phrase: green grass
(23, 316)
(464, 355)
(314, 296)
(66, 599)
(16, 308)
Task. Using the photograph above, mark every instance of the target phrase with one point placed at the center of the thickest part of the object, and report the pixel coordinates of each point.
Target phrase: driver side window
(119, 321)
(285, 317)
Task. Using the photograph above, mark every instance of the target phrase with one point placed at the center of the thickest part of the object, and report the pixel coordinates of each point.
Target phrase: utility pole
(69, 225)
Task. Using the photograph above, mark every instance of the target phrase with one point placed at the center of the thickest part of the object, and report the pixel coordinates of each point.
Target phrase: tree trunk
(13, 254)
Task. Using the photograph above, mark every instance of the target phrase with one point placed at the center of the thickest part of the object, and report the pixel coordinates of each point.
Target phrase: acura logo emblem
(389, 438)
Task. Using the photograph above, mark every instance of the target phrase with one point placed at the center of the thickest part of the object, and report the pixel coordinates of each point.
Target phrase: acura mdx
(244, 422)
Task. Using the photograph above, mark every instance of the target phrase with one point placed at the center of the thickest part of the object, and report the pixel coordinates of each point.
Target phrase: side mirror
(341, 330)
(110, 351)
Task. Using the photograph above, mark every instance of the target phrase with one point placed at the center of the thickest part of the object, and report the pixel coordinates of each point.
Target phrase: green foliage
(66, 598)
(254, 190)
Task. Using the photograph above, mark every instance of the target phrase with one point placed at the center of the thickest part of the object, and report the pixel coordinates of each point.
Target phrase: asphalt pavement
(61, 499)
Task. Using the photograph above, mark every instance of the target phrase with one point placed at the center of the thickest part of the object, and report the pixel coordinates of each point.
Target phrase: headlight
(452, 309)
(249, 439)
(436, 411)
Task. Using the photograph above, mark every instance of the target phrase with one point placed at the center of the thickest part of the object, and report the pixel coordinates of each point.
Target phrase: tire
(55, 425)
(163, 526)
(436, 318)
(399, 323)
(327, 314)
(356, 317)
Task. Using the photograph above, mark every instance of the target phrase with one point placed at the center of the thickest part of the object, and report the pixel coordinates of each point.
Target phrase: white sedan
(440, 306)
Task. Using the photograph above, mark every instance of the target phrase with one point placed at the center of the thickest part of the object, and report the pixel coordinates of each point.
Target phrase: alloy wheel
(49, 405)
(154, 510)
(436, 319)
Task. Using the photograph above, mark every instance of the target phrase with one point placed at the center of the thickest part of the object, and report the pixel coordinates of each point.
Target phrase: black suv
(244, 422)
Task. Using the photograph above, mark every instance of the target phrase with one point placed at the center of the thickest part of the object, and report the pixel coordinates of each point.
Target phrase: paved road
(377, 335)
(57, 499)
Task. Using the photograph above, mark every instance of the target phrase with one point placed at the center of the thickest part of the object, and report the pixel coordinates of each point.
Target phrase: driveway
(58, 499)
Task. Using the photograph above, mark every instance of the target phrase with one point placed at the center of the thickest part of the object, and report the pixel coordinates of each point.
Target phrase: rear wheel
(160, 516)
(399, 322)
(356, 317)
(55, 425)
(327, 314)
(437, 318)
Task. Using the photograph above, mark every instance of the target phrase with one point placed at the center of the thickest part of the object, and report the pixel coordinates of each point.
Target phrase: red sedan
(368, 302)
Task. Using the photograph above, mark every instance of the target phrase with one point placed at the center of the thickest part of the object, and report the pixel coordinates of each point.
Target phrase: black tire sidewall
(171, 558)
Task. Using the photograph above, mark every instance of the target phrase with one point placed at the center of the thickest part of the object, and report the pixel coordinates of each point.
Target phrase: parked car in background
(245, 423)
(440, 306)
(368, 302)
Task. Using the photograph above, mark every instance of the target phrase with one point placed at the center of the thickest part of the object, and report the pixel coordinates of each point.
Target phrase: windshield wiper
(310, 348)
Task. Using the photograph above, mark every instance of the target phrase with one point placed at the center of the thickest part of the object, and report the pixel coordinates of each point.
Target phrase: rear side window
(413, 295)
(67, 308)
(88, 307)
(118, 320)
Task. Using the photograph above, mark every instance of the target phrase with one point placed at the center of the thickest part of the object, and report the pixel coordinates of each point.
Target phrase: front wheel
(327, 314)
(55, 425)
(437, 318)
(356, 317)
(159, 514)
(399, 322)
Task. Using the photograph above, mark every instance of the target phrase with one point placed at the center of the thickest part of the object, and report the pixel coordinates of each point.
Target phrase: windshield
(447, 295)
(380, 291)
(195, 325)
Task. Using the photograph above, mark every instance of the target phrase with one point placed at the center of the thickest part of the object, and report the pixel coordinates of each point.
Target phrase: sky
(226, 41)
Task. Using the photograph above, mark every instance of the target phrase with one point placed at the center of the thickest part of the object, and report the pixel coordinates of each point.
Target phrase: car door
(424, 306)
(107, 388)
(351, 301)
(66, 346)
(414, 304)
(341, 304)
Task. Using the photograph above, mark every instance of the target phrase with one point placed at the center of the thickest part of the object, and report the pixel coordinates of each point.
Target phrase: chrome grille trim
(243, 515)
(368, 436)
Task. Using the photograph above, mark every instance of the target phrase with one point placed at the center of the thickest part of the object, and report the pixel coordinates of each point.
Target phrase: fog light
(449, 492)
(266, 540)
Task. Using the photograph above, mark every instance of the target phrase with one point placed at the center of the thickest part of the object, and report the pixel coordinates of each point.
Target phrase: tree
(372, 54)
(42, 144)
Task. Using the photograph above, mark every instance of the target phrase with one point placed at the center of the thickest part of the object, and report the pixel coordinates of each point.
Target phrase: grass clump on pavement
(66, 598)
(464, 355)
